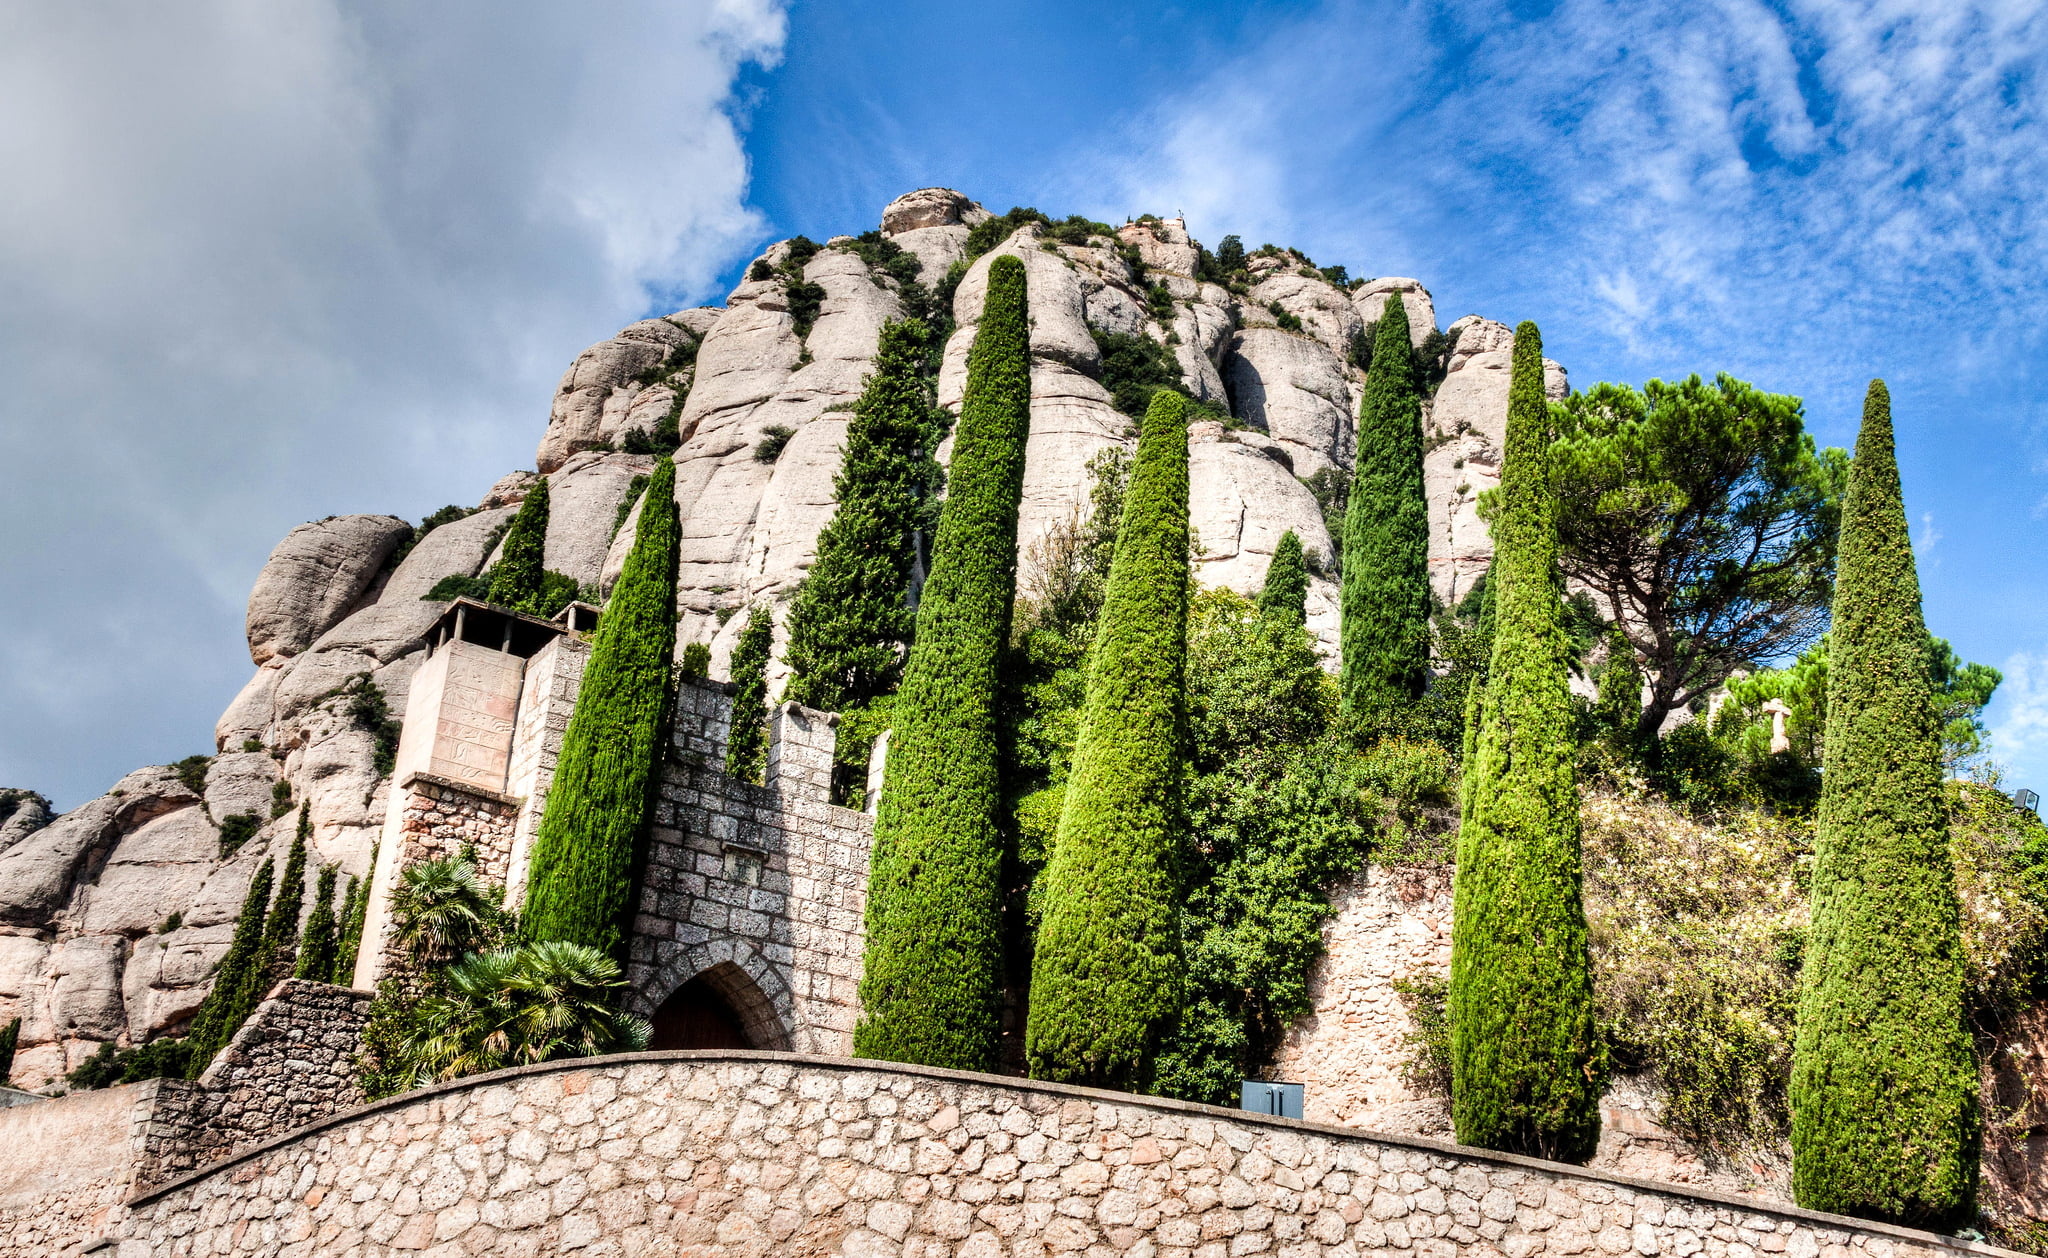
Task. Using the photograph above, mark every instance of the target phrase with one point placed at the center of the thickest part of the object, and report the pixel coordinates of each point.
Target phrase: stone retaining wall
(714, 1154)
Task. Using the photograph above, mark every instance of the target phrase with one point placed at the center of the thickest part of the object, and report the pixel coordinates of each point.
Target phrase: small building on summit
(748, 929)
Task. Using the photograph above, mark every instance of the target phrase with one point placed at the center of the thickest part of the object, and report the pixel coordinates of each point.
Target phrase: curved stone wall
(711, 1154)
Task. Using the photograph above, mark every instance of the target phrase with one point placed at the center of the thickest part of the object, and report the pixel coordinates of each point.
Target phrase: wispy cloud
(2020, 733)
(1929, 538)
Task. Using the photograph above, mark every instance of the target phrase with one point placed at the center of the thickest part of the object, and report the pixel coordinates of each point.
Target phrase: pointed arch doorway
(718, 1008)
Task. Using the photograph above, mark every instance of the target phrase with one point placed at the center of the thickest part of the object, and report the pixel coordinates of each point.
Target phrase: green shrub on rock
(932, 969)
(1284, 596)
(1107, 970)
(1884, 1082)
(1527, 1062)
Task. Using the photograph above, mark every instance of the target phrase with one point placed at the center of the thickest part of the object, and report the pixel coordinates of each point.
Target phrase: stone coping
(450, 784)
(1213, 1113)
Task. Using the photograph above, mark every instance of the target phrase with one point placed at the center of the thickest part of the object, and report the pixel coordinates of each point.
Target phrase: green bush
(321, 943)
(580, 883)
(369, 711)
(851, 621)
(1884, 1082)
(158, 1059)
(1385, 592)
(192, 772)
(774, 440)
(280, 795)
(455, 585)
(1107, 970)
(929, 986)
(232, 997)
(746, 745)
(515, 580)
(349, 926)
(696, 662)
(1331, 487)
(281, 927)
(1284, 596)
(1288, 322)
(1134, 367)
(237, 829)
(1527, 1061)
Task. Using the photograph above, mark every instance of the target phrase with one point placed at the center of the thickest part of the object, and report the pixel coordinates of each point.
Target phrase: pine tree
(1884, 1084)
(580, 884)
(1285, 593)
(932, 970)
(318, 949)
(851, 620)
(517, 577)
(1526, 1058)
(1385, 599)
(220, 1014)
(746, 746)
(355, 907)
(1107, 971)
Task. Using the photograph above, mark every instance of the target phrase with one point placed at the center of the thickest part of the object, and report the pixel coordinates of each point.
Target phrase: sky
(269, 260)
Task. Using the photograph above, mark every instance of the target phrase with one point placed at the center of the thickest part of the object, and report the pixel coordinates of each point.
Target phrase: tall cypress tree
(354, 909)
(1107, 971)
(932, 971)
(1884, 1084)
(517, 576)
(851, 620)
(1526, 1058)
(746, 745)
(580, 887)
(318, 949)
(281, 928)
(1385, 587)
(1284, 596)
(218, 1017)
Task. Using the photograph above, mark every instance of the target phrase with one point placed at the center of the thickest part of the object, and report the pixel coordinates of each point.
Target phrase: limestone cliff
(113, 915)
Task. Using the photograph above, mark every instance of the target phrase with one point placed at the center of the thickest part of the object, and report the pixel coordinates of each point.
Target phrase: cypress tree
(851, 620)
(1106, 974)
(215, 1023)
(9, 1035)
(1884, 1084)
(1384, 595)
(1284, 596)
(580, 885)
(1526, 1058)
(932, 971)
(281, 928)
(354, 909)
(746, 746)
(319, 948)
(517, 576)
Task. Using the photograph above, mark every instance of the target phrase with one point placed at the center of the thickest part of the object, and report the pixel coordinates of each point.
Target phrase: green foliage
(233, 995)
(355, 907)
(446, 515)
(1288, 322)
(1702, 517)
(321, 943)
(1428, 1068)
(1134, 367)
(580, 885)
(515, 580)
(370, 712)
(696, 662)
(774, 440)
(512, 1007)
(885, 255)
(442, 909)
(158, 1059)
(171, 923)
(1230, 255)
(1107, 970)
(1527, 1062)
(1332, 489)
(280, 796)
(634, 488)
(237, 829)
(10, 1035)
(851, 621)
(989, 233)
(455, 585)
(1284, 596)
(1159, 303)
(932, 967)
(281, 927)
(1385, 595)
(746, 747)
(1884, 1082)
(760, 271)
(1335, 275)
(191, 772)
(1273, 817)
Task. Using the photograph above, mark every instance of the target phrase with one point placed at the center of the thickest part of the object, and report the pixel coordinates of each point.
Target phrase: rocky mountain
(113, 915)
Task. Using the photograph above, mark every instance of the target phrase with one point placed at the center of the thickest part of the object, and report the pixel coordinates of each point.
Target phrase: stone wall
(66, 1165)
(759, 888)
(713, 1154)
(547, 698)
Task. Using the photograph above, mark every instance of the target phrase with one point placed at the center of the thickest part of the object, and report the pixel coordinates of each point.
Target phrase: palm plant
(441, 909)
(517, 1006)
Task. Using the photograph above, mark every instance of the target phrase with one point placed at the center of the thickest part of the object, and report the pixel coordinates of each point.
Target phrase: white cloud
(2019, 721)
(1929, 538)
(272, 260)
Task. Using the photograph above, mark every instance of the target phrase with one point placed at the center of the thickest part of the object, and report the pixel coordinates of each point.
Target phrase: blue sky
(274, 262)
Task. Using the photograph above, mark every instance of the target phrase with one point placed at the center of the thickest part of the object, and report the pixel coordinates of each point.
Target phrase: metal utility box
(2027, 800)
(1282, 1100)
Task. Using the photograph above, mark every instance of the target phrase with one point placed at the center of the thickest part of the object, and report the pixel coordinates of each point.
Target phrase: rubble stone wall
(758, 1154)
(760, 888)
